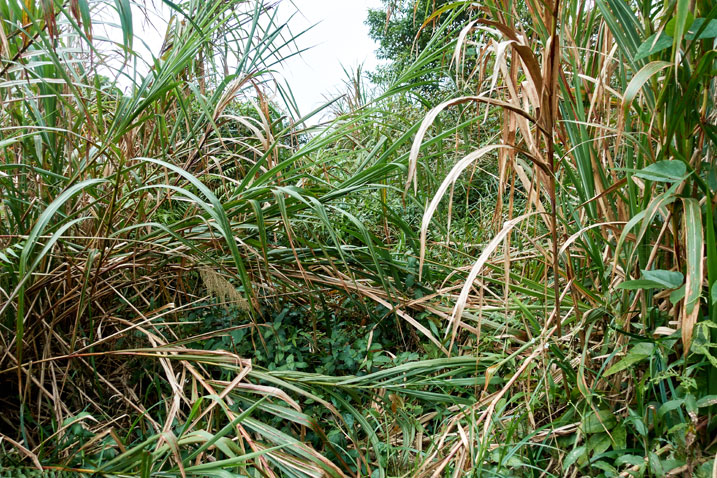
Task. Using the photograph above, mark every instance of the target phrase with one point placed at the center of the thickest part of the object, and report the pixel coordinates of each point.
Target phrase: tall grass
(132, 194)
(562, 294)
(116, 196)
(611, 263)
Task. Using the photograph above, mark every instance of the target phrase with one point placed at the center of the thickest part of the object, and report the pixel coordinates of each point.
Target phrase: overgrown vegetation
(500, 263)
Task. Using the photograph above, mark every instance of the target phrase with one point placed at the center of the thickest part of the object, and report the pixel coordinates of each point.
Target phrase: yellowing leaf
(694, 245)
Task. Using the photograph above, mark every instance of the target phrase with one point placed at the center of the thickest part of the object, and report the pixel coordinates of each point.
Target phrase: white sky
(339, 38)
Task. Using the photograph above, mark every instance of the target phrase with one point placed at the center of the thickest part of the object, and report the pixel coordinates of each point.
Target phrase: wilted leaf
(642, 77)
(694, 245)
(664, 331)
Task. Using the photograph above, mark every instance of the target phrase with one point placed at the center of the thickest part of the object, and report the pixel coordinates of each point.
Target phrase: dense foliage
(402, 29)
(501, 263)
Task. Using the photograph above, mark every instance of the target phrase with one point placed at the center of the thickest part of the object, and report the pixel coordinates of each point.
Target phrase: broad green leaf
(656, 465)
(514, 462)
(710, 31)
(637, 354)
(668, 279)
(645, 218)
(573, 456)
(640, 284)
(664, 171)
(667, 407)
(707, 401)
(599, 422)
(606, 467)
(633, 460)
(619, 437)
(701, 341)
(26, 269)
(712, 176)
(637, 422)
(598, 443)
(77, 419)
(677, 295)
(653, 44)
(215, 210)
(670, 26)
(690, 403)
